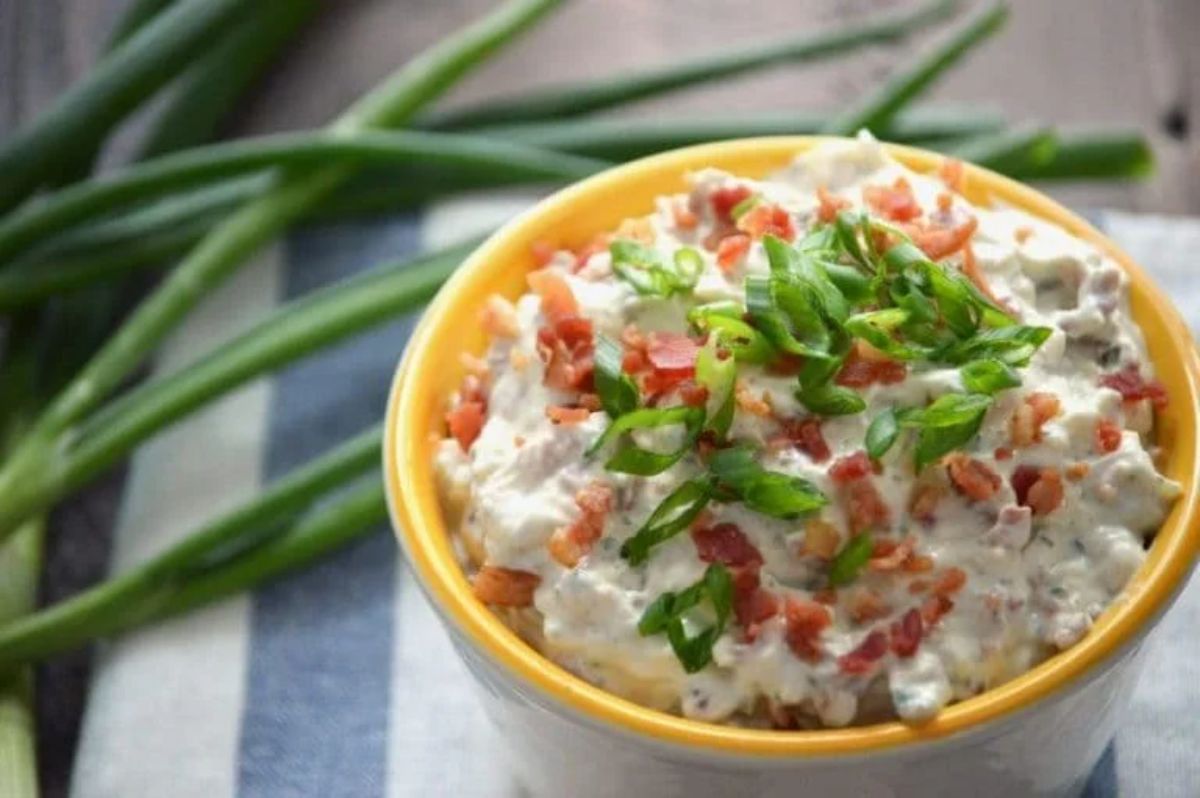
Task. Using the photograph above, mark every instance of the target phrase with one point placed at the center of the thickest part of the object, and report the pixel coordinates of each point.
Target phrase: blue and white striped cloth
(339, 681)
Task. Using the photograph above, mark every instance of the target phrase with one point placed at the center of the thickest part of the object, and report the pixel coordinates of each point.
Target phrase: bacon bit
(867, 605)
(1022, 480)
(725, 199)
(1003, 453)
(906, 633)
(1077, 471)
(504, 587)
(692, 394)
(827, 596)
(518, 359)
(897, 203)
(1025, 426)
(918, 586)
(785, 364)
(945, 202)
(971, 477)
(924, 501)
(821, 539)
(598, 244)
(1023, 234)
(558, 302)
(590, 401)
(950, 582)
(889, 555)
(569, 544)
(639, 230)
(917, 564)
(566, 349)
(865, 365)
(466, 422)
(726, 544)
(1133, 387)
(806, 435)
(1046, 494)
(934, 608)
(518, 441)
(748, 401)
(475, 366)
(767, 219)
(941, 242)
(829, 206)
(559, 414)
(864, 506)
(974, 273)
(850, 468)
(1107, 436)
(685, 218)
(953, 174)
(805, 620)
(731, 250)
(499, 318)
(543, 252)
(673, 353)
(869, 651)
(752, 605)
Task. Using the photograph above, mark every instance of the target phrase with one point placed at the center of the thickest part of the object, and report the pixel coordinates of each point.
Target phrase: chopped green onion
(1013, 345)
(850, 560)
(675, 514)
(831, 400)
(718, 377)
(781, 312)
(632, 459)
(799, 267)
(768, 492)
(617, 390)
(666, 614)
(724, 320)
(745, 206)
(946, 424)
(875, 327)
(988, 376)
(647, 271)
(882, 433)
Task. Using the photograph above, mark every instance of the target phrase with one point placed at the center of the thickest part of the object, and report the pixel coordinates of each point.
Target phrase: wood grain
(1070, 62)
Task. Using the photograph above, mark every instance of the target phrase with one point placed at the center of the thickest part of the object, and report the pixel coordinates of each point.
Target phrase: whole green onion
(1009, 152)
(573, 100)
(477, 156)
(85, 113)
(1093, 155)
(877, 109)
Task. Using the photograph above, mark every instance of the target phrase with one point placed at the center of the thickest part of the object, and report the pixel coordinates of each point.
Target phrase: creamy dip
(818, 585)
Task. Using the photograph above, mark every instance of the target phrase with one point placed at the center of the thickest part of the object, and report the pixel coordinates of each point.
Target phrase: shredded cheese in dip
(990, 526)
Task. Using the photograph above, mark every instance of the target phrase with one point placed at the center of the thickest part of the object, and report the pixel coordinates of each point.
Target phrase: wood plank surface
(1070, 62)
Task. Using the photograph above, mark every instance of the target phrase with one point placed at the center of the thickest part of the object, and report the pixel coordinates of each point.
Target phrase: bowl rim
(416, 512)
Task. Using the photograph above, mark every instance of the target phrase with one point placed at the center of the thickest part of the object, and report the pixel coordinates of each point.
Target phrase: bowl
(1039, 734)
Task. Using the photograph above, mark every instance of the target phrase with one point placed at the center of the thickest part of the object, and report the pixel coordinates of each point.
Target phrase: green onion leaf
(768, 492)
(781, 312)
(724, 320)
(618, 392)
(876, 328)
(852, 283)
(666, 614)
(948, 423)
(1013, 346)
(831, 400)
(689, 265)
(882, 433)
(850, 560)
(847, 225)
(745, 206)
(719, 377)
(807, 273)
(632, 459)
(649, 274)
(675, 514)
(988, 376)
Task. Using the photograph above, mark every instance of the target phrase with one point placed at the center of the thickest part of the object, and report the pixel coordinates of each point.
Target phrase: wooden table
(1070, 62)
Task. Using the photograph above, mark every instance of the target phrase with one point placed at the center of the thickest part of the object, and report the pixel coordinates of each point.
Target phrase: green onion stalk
(34, 465)
(573, 100)
(118, 84)
(877, 109)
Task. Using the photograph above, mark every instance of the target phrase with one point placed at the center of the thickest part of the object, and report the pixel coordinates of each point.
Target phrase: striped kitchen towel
(338, 681)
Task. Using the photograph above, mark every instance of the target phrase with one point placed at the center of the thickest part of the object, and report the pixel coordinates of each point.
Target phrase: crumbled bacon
(565, 346)
(561, 414)
(806, 435)
(504, 587)
(731, 250)
(924, 500)
(906, 633)
(1003, 453)
(851, 467)
(896, 202)
(672, 353)
(1133, 387)
(859, 661)
(1025, 426)
(864, 506)
(725, 543)
(950, 582)
(499, 318)
(941, 242)
(974, 273)
(569, 544)
(888, 555)
(767, 219)
(867, 605)
(750, 402)
(685, 218)
(752, 604)
(693, 394)
(972, 478)
(466, 422)
(725, 199)
(829, 205)
(805, 620)
(1039, 489)
(953, 174)
(1107, 436)
(934, 607)
(543, 252)
(558, 301)
(865, 365)
(1022, 234)
(821, 539)
(584, 253)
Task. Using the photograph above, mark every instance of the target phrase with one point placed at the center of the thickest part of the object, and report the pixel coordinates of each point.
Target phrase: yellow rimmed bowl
(1039, 734)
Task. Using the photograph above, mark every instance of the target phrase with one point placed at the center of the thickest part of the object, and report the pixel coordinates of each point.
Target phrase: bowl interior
(430, 371)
